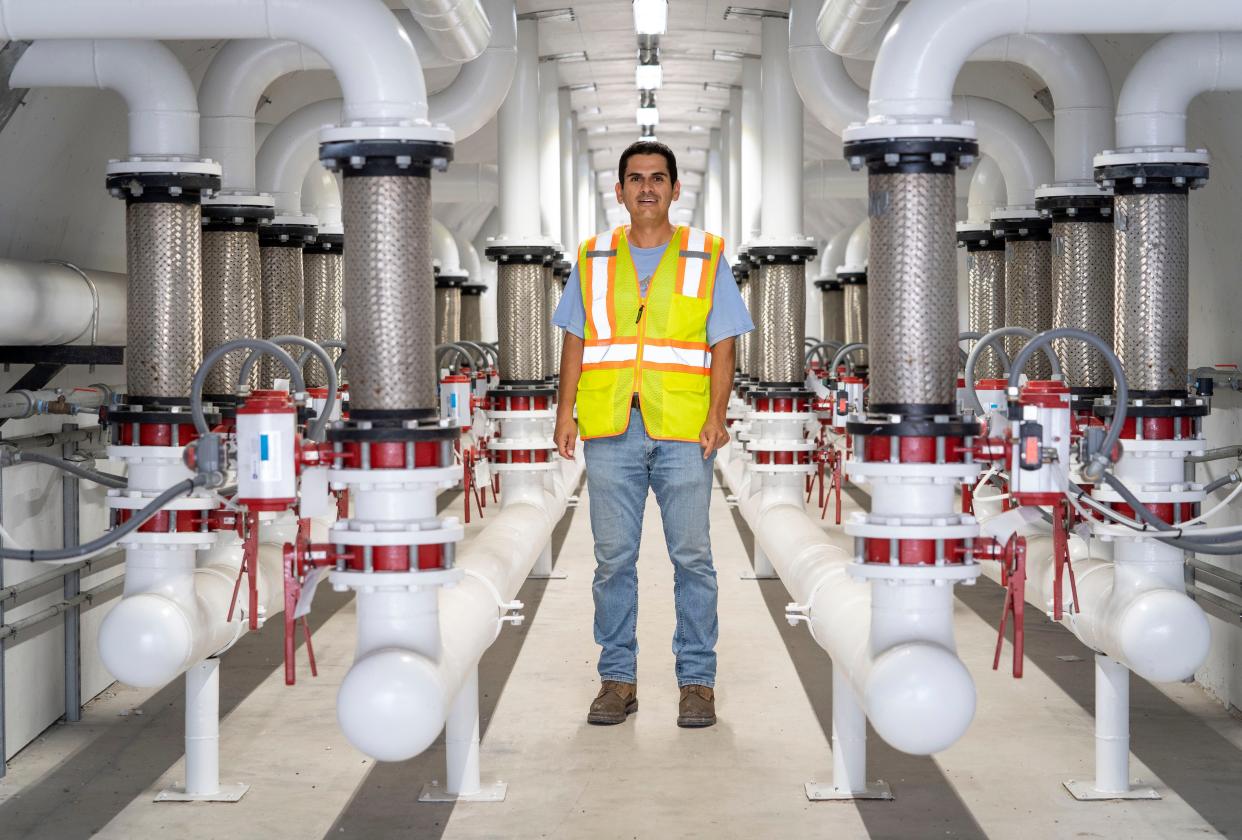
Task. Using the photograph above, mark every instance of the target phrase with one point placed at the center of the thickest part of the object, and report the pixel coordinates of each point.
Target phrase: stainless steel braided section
(832, 315)
(448, 314)
(782, 322)
(554, 337)
(324, 299)
(520, 325)
(164, 303)
(1028, 297)
(231, 304)
(389, 292)
(472, 317)
(282, 288)
(1082, 298)
(912, 280)
(854, 303)
(746, 342)
(985, 272)
(1152, 292)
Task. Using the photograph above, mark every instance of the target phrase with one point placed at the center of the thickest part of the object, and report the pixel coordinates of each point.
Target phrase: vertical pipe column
(231, 296)
(518, 156)
(751, 158)
(568, 123)
(72, 586)
(550, 150)
(282, 288)
(713, 205)
(202, 728)
(584, 179)
(1028, 283)
(461, 739)
(323, 266)
(1112, 725)
(736, 235)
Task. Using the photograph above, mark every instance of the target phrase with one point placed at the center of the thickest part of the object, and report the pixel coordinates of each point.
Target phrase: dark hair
(648, 147)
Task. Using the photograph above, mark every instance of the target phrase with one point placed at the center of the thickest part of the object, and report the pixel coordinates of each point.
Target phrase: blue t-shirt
(727, 318)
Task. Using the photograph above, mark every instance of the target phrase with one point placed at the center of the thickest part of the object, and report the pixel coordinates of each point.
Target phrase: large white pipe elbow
(1152, 108)
(850, 27)
(834, 253)
(291, 149)
(51, 303)
(987, 191)
(163, 110)
(229, 94)
(470, 262)
(321, 198)
(857, 249)
(460, 29)
(380, 75)
(473, 183)
(473, 98)
(1013, 142)
(444, 248)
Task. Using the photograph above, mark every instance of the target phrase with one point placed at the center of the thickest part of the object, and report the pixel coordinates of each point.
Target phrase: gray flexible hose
(976, 352)
(476, 350)
(997, 348)
(215, 354)
(1216, 545)
(1224, 481)
(334, 343)
(443, 349)
(817, 349)
(485, 354)
(1101, 459)
(106, 479)
(845, 350)
(71, 552)
(317, 431)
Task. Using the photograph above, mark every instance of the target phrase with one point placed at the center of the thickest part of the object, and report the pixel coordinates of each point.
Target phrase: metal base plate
(226, 793)
(1086, 792)
(825, 792)
(494, 792)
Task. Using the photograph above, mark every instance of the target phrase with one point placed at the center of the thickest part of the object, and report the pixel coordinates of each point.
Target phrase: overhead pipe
(473, 97)
(849, 27)
(49, 303)
(460, 29)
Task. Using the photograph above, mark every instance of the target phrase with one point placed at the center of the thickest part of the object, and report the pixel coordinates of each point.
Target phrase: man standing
(650, 313)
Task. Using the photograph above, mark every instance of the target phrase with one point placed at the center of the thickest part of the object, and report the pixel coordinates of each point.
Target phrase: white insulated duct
(781, 191)
(48, 303)
(413, 658)
(163, 110)
(460, 29)
(850, 27)
(550, 151)
(1151, 112)
(894, 644)
(232, 86)
(470, 102)
(923, 52)
(380, 75)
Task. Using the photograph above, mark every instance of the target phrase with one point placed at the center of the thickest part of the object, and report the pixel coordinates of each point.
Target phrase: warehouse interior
(976, 533)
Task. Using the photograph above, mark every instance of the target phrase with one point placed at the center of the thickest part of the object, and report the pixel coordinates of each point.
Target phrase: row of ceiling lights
(650, 22)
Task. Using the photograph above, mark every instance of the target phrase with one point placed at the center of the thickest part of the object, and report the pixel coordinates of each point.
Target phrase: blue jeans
(619, 472)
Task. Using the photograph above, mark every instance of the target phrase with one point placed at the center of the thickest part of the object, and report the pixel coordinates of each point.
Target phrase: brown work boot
(615, 702)
(697, 708)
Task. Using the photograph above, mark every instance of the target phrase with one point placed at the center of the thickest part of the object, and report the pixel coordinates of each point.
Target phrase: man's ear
(617, 187)
(676, 190)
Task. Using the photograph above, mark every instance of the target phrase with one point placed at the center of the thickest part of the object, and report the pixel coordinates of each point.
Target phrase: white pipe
(849, 27)
(50, 303)
(923, 52)
(826, 88)
(917, 693)
(567, 127)
(829, 180)
(321, 198)
(291, 148)
(736, 234)
(849, 738)
(163, 111)
(987, 191)
(712, 203)
(519, 152)
(232, 86)
(470, 261)
(1160, 87)
(586, 189)
(459, 28)
(473, 183)
(857, 249)
(833, 254)
(381, 79)
(1013, 142)
(752, 144)
(202, 728)
(549, 150)
(444, 248)
(461, 739)
(472, 99)
(411, 665)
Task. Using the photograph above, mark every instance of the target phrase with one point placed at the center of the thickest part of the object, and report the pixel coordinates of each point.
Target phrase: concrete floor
(645, 779)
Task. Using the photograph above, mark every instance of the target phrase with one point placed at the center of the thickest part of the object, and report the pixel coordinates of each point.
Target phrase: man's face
(648, 189)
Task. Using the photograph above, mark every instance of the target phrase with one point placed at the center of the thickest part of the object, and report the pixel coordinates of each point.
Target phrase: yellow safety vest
(653, 346)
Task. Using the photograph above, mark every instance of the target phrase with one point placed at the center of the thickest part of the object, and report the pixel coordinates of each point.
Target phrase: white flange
(371, 479)
(171, 166)
(413, 581)
(1154, 154)
(356, 132)
(885, 128)
(358, 532)
(950, 572)
(240, 200)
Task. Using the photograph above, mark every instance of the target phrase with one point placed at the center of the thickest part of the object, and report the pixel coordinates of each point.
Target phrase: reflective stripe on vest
(654, 345)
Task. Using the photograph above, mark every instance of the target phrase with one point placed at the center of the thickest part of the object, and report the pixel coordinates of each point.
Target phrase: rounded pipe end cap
(391, 705)
(920, 698)
(1164, 636)
(146, 640)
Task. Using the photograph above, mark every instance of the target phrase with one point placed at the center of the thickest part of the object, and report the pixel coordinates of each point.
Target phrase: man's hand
(713, 437)
(565, 436)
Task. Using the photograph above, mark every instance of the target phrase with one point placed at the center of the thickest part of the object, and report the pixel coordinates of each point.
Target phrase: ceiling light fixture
(584, 87)
(647, 116)
(566, 14)
(579, 55)
(650, 17)
(717, 86)
(730, 55)
(739, 12)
